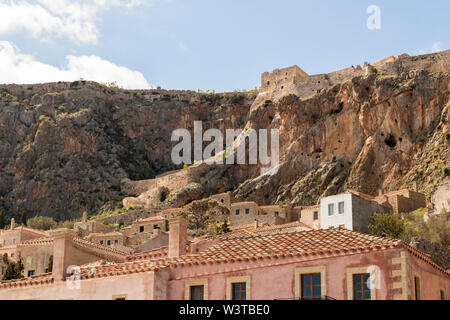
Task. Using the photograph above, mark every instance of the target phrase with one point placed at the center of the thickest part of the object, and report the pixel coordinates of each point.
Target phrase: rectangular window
(341, 207)
(240, 291)
(277, 213)
(247, 211)
(237, 212)
(197, 292)
(108, 242)
(311, 286)
(116, 241)
(361, 290)
(30, 273)
(141, 229)
(316, 215)
(331, 209)
(442, 294)
(417, 287)
(101, 241)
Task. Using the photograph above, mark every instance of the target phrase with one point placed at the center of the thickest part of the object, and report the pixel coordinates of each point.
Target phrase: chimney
(62, 254)
(256, 224)
(177, 237)
(13, 223)
(84, 217)
(156, 231)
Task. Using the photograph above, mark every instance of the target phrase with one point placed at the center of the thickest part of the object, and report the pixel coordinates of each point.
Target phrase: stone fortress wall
(293, 80)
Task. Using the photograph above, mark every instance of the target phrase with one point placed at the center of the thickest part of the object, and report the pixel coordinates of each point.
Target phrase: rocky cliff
(66, 147)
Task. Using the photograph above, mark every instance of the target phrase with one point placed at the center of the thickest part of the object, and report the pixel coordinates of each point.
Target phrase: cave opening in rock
(391, 141)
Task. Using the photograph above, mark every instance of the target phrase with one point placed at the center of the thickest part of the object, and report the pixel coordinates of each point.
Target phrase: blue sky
(207, 44)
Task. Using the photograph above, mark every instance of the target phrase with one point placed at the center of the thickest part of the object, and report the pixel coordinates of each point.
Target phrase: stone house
(144, 229)
(402, 201)
(86, 227)
(351, 210)
(224, 198)
(310, 215)
(242, 213)
(16, 235)
(110, 239)
(317, 264)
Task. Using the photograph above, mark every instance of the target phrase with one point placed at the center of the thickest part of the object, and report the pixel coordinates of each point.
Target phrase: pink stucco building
(287, 264)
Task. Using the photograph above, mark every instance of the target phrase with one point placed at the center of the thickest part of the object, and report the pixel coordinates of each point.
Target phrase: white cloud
(436, 47)
(16, 67)
(43, 19)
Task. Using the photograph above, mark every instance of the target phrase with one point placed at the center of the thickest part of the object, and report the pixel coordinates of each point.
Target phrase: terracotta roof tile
(153, 219)
(329, 241)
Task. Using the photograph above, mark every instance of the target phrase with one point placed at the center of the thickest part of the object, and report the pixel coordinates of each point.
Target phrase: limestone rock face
(376, 132)
(66, 147)
(70, 147)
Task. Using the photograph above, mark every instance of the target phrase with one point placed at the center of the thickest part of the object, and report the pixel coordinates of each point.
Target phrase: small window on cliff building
(268, 83)
(316, 215)
(330, 209)
(277, 213)
(247, 211)
(101, 241)
(141, 229)
(237, 212)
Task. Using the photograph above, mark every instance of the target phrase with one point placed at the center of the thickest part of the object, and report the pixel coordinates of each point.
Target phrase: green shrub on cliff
(13, 269)
(387, 223)
(41, 223)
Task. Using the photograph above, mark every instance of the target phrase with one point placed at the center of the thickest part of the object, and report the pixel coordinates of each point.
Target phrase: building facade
(319, 264)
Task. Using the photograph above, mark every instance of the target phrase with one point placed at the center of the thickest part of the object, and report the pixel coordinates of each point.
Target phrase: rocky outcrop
(68, 147)
(439, 254)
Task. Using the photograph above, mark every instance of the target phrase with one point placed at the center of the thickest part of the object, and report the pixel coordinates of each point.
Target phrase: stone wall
(307, 216)
(362, 212)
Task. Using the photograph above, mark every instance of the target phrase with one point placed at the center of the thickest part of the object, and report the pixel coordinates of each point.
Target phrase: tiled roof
(308, 207)
(99, 250)
(150, 255)
(314, 243)
(33, 280)
(37, 242)
(101, 234)
(270, 207)
(250, 229)
(243, 203)
(153, 219)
